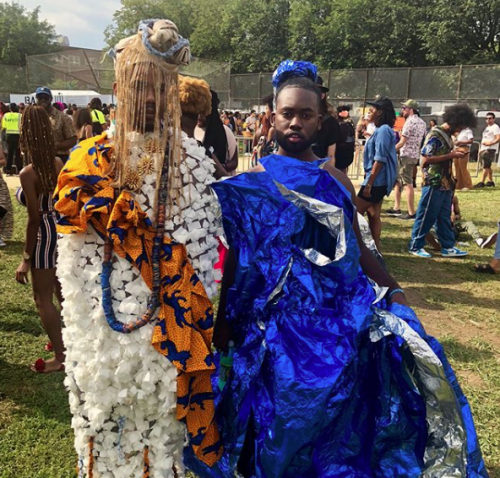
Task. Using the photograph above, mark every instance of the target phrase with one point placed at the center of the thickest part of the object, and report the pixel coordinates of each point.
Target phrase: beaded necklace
(107, 267)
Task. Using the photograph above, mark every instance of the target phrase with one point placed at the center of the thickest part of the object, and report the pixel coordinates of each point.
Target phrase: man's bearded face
(297, 119)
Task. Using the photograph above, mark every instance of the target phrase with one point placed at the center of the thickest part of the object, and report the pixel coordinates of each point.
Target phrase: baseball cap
(319, 82)
(411, 104)
(382, 103)
(43, 90)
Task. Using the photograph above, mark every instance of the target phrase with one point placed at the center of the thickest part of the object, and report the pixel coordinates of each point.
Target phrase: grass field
(456, 304)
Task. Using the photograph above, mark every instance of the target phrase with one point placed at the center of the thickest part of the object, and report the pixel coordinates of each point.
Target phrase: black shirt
(328, 134)
(345, 146)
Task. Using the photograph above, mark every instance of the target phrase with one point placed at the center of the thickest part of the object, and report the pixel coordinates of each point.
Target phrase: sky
(82, 21)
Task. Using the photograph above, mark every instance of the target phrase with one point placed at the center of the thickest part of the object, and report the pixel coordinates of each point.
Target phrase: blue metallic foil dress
(329, 380)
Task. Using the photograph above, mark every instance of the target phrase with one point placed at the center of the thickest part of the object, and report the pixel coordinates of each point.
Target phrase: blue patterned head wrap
(160, 38)
(291, 69)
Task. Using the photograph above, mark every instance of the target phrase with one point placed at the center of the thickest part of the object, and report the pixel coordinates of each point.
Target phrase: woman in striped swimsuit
(38, 181)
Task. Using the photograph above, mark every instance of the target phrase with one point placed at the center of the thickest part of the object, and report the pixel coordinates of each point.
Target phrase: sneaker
(453, 252)
(479, 185)
(421, 253)
(489, 241)
(408, 216)
(2, 243)
(394, 212)
(490, 184)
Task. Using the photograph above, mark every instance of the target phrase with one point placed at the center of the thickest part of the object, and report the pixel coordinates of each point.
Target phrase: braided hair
(37, 141)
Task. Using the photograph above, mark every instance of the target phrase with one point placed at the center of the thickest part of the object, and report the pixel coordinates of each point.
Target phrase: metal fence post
(91, 70)
(459, 85)
(408, 85)
(27, 73)
(366, 91)
(229, 95)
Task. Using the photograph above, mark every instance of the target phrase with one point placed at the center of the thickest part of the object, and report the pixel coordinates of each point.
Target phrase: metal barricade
(355, 170)
(245, 154)
(245, 151)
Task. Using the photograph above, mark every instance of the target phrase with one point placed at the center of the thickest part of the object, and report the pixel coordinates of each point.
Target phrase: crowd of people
(331, 372)
(391, 160)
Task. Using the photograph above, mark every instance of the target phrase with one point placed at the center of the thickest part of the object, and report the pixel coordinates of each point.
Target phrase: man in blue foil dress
(333, 375)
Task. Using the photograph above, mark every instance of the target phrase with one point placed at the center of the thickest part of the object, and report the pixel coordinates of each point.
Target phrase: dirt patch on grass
(441, 322)
(472, 379)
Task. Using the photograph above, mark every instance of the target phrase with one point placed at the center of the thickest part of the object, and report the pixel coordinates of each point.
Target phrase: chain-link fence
(72, 69)
(216, 73)
(475, 84)
(82, 69)
(12, 80)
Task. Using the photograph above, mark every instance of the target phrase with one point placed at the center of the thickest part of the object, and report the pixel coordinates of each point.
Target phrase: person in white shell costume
(122, 392)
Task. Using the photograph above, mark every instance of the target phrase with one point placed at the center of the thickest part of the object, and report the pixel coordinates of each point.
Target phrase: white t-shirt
(489, 134)
(465, 135)
(370, 128)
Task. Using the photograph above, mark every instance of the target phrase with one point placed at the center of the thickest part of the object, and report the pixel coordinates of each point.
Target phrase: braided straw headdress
(153, 54)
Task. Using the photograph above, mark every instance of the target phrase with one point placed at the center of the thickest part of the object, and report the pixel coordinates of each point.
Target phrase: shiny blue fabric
(316, 392)
(289, 69)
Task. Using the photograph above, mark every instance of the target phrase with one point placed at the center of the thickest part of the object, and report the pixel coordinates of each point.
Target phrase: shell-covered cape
(123, 394)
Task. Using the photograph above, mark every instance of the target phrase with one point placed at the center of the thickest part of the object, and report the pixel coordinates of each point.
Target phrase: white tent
(78, 97)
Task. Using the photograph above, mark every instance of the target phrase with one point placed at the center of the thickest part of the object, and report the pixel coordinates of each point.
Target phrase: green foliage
(23, 33)
(472, 30)
(255, 36)
(12, 78)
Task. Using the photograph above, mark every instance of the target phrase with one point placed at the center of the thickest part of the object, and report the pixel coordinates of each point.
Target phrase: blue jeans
(434, 209)
(497, 247)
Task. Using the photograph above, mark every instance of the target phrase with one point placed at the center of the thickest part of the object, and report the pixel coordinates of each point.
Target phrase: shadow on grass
(34, 394)
(466, 353)
(494, 471)
(13, 248)
(437, 297)
(427, 271)
(31, 325)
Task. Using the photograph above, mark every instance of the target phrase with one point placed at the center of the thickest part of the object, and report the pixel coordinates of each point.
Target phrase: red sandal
(40, 364)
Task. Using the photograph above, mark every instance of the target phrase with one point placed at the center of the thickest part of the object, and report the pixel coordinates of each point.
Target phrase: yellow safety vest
(11, 123)
(98, 117)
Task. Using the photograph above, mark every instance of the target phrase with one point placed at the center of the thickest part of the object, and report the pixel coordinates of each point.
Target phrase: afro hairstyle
(195, 96)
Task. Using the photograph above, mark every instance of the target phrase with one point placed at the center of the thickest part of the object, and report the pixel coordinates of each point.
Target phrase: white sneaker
(2, 243)
(421, 253)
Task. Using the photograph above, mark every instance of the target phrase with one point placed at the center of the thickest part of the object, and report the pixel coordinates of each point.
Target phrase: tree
(22, 33)
(257, 33)
(256, 36)
(467, 33)
(211, 37)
